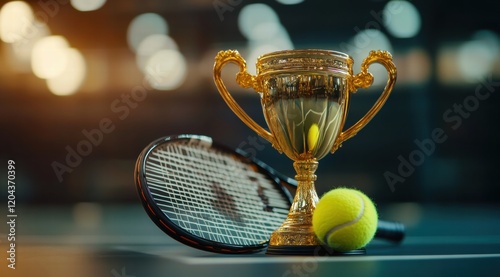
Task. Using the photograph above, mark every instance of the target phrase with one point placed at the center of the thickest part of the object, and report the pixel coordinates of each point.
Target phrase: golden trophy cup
(305, 99)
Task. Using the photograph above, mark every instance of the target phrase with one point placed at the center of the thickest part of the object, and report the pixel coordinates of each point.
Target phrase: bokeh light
(289, 2)
(166, 69)
(477, 57)
(16, 19)
(18, 55)
(49, 58)
(87, 5)
(258, 22)
(152, 44)
(145, 25)
(402, 19)
(414, 66)
(72, 76)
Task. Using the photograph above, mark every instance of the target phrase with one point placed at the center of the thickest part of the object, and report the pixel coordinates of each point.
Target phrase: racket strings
(223, 200)
(213, 172)
(273, 199)
(166, 206)
(213, 195)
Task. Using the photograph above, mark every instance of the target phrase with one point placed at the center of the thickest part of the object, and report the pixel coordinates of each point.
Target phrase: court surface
(121, 241)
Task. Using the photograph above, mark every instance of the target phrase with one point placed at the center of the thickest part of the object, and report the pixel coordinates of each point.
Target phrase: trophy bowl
(305, 97)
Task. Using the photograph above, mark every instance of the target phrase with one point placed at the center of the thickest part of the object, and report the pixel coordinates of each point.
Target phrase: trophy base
(310, 250)
(296, 235)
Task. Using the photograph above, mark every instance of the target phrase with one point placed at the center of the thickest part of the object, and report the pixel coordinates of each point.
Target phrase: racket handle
(392, 231)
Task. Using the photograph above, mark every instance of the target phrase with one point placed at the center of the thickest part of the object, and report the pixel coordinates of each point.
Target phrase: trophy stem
(297, 230)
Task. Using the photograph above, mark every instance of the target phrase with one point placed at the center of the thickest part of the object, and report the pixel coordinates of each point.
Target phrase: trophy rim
(307, 60)
(305, 52)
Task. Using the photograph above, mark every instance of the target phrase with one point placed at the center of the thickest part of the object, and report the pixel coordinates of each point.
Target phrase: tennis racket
(213, 198)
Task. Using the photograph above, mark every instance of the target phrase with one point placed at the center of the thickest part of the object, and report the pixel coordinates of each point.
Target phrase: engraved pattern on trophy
(296, 104)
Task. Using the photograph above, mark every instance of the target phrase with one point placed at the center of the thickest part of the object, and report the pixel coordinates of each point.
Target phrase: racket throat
(297, 229)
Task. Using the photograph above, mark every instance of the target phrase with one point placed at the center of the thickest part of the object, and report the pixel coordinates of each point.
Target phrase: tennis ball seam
(349, 223)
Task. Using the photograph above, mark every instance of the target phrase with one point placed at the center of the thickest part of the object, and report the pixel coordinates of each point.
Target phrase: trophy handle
(245, 80)
(364, 79)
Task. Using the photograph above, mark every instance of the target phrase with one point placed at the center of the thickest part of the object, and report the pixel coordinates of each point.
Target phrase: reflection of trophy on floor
(305, 98)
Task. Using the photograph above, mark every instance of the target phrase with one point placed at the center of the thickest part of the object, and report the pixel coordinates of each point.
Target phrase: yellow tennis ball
(312, 136)
(345, 219)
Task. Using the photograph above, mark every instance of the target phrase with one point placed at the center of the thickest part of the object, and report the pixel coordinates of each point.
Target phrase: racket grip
(392, 231)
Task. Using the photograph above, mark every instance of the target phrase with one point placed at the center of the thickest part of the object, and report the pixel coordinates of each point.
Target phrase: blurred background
(86, 85)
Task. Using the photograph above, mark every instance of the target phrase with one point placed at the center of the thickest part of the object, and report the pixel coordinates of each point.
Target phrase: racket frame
(170, 227)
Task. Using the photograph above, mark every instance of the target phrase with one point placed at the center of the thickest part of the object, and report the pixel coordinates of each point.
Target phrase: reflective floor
(92, 240)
